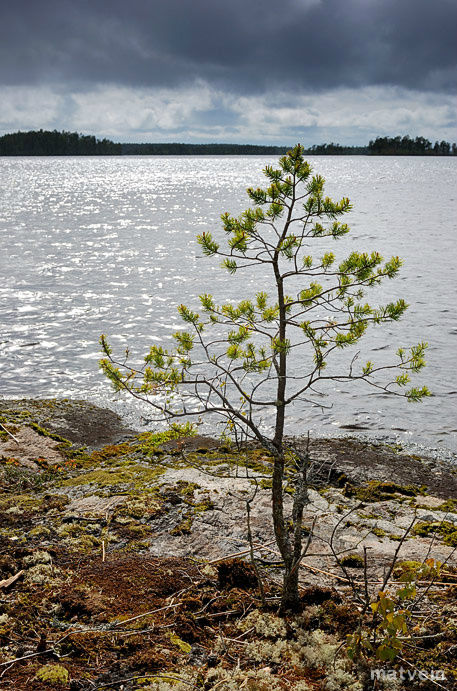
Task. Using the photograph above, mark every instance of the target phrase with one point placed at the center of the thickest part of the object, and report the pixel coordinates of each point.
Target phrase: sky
(244, 71)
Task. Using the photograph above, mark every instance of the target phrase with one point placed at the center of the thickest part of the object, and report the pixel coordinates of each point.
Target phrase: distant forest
(44, 143)
(55, 143)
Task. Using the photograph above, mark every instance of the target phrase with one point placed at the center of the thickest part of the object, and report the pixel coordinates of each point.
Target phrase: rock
(95, 505)
(82, 423)
(29, 447)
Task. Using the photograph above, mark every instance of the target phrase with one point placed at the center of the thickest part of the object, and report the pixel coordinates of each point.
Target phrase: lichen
(38, 557)
(264, 624)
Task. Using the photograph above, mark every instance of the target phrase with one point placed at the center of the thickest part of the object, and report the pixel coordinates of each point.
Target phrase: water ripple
(92, 245)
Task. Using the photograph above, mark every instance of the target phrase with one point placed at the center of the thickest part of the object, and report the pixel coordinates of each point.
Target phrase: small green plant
(383, 634)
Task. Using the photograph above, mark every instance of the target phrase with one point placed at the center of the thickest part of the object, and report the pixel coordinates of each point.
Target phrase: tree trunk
(290, 599)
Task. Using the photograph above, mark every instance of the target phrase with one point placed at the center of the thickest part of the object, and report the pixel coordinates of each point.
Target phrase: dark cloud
(241, 46)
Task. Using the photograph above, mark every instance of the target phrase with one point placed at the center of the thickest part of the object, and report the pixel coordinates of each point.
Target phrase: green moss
(449, 506)
(46, 433)
(84, 544)
(136, 476)
(379, 532)
(53, 674)
(186, 489)
(381, 491)
(253, 460)
(22, 502)
(150, 441)
(136, 531)
(71, 530)
(353, 561)
(182, 645)
(445, 529)
(110, 454)
(205, 505)
(406, 567)
(183, 528)
(39, 532)
(136, 546)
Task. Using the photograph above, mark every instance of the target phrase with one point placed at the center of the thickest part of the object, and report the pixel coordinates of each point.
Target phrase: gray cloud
(242, 45)
(274, 71)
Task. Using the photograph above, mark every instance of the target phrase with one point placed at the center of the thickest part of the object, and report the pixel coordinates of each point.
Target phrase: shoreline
(126, 424)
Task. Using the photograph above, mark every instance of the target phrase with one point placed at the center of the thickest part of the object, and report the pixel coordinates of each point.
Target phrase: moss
(186, 489)
(53, 674)
(71, 530)
(182, 645)
(353, 561)
(38, 557)
(205, 505)
(149, 442)
(412, 569)
(381, 491)
(139, 506)
(379, 532)
(135, 531)
(136, 476)
(242, 460)
(137, 546)
(40, 532)
(445, 529)
(449, 506)
(22, 502)
(46, 433)
(183, 528)
(110, 455)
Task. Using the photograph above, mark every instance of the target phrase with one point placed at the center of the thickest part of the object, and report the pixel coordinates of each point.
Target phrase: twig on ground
(12, 579)
(10, 434)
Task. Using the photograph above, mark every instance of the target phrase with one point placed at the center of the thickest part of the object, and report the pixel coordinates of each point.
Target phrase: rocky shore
(125, 559)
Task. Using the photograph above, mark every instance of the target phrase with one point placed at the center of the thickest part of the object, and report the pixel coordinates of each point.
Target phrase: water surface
(92, 245)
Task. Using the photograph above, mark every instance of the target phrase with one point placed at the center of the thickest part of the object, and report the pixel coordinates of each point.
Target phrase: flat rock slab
(189, 444)
(363, 462)
(95, 505)
(29, 447)
(82, 423)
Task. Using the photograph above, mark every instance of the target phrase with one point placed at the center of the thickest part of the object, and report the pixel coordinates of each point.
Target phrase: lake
(107, 245)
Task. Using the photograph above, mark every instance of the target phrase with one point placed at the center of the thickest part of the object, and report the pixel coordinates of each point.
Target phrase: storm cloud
(207, 69)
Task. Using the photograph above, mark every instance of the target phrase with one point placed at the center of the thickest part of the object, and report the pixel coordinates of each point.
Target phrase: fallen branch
(237, 554)
(9, 433)
(150, 678)
(9, 581)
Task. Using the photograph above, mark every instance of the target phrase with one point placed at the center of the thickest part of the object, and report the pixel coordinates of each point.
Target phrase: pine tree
(233, 361)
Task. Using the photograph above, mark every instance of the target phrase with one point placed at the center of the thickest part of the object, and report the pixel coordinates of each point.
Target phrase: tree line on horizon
(46, 143)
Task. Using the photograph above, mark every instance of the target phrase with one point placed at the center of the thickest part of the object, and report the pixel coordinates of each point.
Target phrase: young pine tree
(233, 361)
